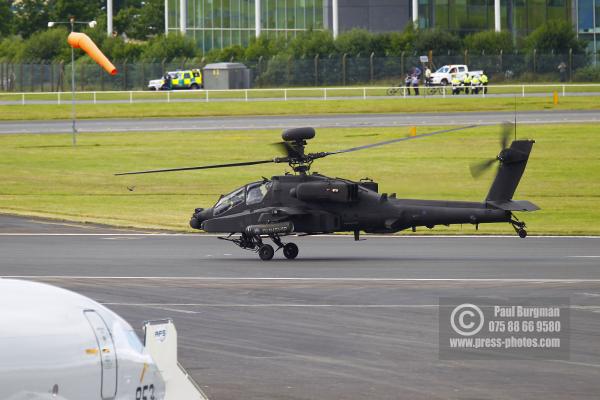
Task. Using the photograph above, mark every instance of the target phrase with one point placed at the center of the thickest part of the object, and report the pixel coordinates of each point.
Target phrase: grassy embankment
(43, 175)
(292, 107)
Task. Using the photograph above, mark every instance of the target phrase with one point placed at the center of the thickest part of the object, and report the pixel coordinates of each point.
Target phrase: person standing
(427, 76)
(484, 82)
(562, 70)
(467, 83)
(415, 84)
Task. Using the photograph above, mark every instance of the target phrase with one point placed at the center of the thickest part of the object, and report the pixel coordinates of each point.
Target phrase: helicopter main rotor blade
(240, 164)
(507, 131)
(368, 146)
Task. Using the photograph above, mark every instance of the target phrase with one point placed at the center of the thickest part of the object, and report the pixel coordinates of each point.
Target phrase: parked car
(184, 79)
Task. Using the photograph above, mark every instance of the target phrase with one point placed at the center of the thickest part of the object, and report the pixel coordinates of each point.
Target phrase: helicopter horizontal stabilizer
(514, 205)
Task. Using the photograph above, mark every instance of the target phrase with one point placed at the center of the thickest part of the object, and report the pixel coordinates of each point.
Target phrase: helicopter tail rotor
(478, 168)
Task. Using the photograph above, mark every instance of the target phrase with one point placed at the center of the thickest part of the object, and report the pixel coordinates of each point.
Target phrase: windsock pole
(73, 116)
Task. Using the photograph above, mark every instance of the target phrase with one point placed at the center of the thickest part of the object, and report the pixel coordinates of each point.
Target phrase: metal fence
(306, 93)
(282, 71)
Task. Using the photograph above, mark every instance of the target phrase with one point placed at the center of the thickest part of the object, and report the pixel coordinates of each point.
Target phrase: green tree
(30, 16)
(489, 42)
(311, 43)
(50, 44)
(170, 47)
(554, 36)
(117, 50)
(82, 10)
(264, 47)
(6, 17)
(441, 42)
(354, 42)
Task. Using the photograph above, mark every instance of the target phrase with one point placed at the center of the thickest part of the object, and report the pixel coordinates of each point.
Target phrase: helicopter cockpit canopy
(251, 194)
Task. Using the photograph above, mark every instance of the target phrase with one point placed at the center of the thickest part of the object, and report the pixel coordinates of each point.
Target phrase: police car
(185, 79)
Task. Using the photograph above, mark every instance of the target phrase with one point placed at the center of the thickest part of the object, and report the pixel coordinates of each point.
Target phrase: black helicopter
(308, 204)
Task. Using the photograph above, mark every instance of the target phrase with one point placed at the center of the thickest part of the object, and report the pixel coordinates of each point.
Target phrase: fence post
(285, 94)
(31, 73)
(401, 64)
(125, 74)
(371, 67)
(21, 73)
(94, 97)
(289, 70)
(168, 97)
(534, 59)
(246, 94)
(317, 70)
(130, 96)
(364, 93)
(570, 65)
(324, 93)
(563, 88)
(500, 60)
(23, 98)
(344, 57)
(58, 98)
(206, 91)
(522, 90)
(466, 57)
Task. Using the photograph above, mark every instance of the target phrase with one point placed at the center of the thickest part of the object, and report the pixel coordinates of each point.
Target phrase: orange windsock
(82, 41)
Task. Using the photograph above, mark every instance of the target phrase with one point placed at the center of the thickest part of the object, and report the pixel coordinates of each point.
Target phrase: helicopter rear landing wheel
(290, 251)
(522, 233)
(266, 252)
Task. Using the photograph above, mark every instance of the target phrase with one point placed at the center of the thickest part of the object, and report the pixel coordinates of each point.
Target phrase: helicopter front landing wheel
(266, 252)
(290, 251)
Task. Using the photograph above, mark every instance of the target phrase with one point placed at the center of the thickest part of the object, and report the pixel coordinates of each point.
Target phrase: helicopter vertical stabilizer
(513, 161)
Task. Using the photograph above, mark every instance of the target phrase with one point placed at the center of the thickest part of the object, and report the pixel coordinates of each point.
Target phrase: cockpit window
(228, 202)
(256, 192)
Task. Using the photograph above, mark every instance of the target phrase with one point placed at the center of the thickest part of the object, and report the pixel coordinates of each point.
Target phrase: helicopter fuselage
(319, 204)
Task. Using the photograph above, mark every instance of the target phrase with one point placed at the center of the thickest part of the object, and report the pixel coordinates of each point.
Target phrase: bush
(46, 45)
(354, 42)
(311, 43)
(489, 42)
(440, 42)
(554, 36)
(170, 47)
(587, 74)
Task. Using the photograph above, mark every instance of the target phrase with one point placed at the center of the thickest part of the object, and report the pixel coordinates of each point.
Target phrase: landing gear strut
(265, 251)
(519, 227)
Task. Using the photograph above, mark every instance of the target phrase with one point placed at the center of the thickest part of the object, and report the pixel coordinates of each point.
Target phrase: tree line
(25, 37)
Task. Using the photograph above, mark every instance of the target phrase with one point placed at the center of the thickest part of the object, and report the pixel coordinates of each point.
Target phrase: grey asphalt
(347, 320)
(281, 122)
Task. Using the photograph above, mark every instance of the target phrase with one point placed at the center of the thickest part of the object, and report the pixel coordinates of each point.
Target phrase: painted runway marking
(583, 256)
(304, 279)
(196, 235)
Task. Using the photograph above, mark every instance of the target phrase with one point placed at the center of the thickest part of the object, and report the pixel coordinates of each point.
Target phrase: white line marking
(196, 235)
(304, 279)
(583, 256)
(276, 305)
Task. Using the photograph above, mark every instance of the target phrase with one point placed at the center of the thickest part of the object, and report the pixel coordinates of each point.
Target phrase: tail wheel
(522, 233)
(290, 251)
(266, 252)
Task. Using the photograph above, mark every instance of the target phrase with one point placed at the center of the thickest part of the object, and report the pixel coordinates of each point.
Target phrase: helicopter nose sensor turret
(200, 215)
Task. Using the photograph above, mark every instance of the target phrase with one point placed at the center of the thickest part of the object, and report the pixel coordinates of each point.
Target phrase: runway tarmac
(281, 122)
(347, 320)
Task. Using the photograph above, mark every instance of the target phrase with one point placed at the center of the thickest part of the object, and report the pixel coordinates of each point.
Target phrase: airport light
(72, 23)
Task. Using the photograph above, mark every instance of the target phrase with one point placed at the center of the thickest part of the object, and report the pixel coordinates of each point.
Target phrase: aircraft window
(257, 192)
(228, 202)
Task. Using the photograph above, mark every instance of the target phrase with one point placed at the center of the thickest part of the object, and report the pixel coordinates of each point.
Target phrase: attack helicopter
(306, 203)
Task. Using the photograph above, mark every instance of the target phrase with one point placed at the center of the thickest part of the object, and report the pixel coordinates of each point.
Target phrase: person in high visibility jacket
(467, 83)
(484, 82)
(456, 85)
(475, 84)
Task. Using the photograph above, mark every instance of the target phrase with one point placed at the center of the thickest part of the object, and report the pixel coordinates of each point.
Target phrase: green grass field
(237, 108)
(43, 175)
